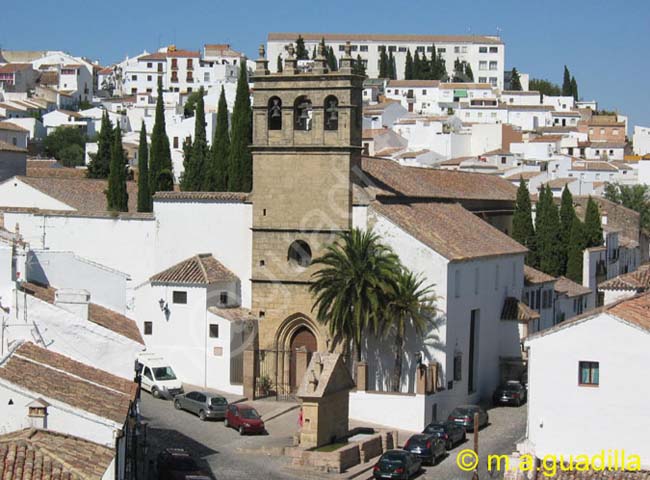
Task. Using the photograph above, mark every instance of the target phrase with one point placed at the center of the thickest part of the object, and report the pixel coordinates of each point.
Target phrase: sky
(605, 43)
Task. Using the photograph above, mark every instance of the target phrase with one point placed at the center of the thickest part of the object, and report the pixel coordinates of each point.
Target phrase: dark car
(244, 418)
(464, 416)
(204, 404)
(449, 432)
(429, 448)
(509, 393)
(398, 464)
(178, 464)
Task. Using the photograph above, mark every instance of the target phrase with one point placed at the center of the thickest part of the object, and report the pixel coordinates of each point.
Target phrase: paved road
(231, 456)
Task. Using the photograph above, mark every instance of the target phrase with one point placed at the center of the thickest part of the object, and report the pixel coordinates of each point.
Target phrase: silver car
(205, 405)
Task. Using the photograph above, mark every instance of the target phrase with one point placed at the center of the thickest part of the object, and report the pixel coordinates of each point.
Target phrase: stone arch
(290, 326)
(331, 107)
(302, 113)
(274, 113)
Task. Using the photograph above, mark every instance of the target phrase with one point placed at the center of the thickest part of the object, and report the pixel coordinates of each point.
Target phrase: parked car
(464, 416)
(244, 418)
(449, 432)
(428, 447)
(510, 393)
(204, 404)
(398, 464)
(157, 376)
(178, 464)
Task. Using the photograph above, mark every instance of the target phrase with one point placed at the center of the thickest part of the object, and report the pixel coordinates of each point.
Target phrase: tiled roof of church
(220, 196)
(201, 269)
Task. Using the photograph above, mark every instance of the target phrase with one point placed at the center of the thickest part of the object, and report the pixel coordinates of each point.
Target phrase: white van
(157, 376)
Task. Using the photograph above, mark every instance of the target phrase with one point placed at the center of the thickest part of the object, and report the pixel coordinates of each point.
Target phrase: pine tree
(332, 63)
(278, 66)
(301, 51)
(99, 166)
(196, 165)
(567, 215)
(469, 75)
(144, 195)
(593, 227)
(575, 251)
(383, 64)
(522, 223)
(548, 234)
(392, 69)
(574, 88)
(408, 67)
(216, 179)
(566, 83)
(116, 195)
(515, 80)
(161, 176)
(240, 163)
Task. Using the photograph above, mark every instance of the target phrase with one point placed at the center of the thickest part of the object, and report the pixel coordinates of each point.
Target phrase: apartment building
(484, 53)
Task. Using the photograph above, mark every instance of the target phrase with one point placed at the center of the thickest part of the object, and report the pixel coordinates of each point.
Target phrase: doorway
(303, 339)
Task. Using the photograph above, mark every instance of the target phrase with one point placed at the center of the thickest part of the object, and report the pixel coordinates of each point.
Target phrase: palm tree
(413, 306)
(354, 287)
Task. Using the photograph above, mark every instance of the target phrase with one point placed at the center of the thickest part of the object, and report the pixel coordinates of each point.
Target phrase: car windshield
(461, 412)
(392, 458)
(435, 428)
(510, 387)
(216, 401)
(250, 413)
(418, 441)
(164, 373)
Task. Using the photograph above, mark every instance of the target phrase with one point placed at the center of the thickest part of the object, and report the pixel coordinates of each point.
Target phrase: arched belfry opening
(275, 113)
(331, 113)
(302, 113)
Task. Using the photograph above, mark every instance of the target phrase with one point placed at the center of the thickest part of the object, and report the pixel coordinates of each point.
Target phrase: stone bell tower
(306, 141)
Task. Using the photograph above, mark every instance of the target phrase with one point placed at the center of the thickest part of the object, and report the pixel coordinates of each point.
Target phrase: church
(218, 282)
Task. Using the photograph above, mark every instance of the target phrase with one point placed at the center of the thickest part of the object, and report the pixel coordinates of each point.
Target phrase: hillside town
(340, 256)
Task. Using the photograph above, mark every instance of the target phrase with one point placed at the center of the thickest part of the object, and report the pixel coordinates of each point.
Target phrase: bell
(334, 115)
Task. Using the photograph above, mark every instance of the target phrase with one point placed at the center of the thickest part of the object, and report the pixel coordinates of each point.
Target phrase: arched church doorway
(303, 344)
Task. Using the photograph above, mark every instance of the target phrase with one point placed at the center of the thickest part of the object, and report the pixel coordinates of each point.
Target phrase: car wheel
(177, 405)
(241, 430)
(155, 393)
(464, 437)
(202, 416)
(449, 445)
(225, 423)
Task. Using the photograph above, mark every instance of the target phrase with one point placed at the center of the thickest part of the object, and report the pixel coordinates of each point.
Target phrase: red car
(244, 418)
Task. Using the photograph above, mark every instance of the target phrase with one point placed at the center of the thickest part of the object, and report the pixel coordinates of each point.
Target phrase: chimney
(37, 413)
(73, 300)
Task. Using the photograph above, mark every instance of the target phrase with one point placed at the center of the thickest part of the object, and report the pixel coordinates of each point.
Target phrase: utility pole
(476, 426)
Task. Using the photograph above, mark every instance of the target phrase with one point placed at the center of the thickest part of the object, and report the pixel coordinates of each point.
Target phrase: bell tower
(306, 141)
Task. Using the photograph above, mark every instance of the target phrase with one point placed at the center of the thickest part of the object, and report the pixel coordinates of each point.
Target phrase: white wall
(16, 193)
(641, 140)
(568, 426)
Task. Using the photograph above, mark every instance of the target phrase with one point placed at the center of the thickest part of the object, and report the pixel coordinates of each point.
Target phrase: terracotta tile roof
(369, 133)
(12, 127)
(97, 314)
(565, 114)
(234, 314)
(449, 229)
(379, 107)
(414, 154)
(170, 54)
(57, 171)
(70, 113)
(53, 376)
(14, 67)
(498, 151)
(559, 183)
(201, 269)
(547, 139)
(388, 151)
(598, 166)
(638, 280)
(514, 309)
(82, 194)
(465, 86)
(404, 181)
(453, 161)
(221, 49)
(606, 144)
(533, 276)
(32, 454)
(524, 175)
(8, 147)
(370, 37)
(235, 197)
(570, 288)
(414, 83)
(605, 121)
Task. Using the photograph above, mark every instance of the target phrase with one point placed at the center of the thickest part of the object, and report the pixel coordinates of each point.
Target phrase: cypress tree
(392, 73)
(417, 67)
(301, 51)
(358, 68)
(197, 162)
(515, 80)
(160, 158)
(313, 53)
(144, 195)
(441, 68)
(574, 88)
(576, 247)
(99, 166)
(116, 195)
(459, 71)
(408, 67)
(332, 62)
(240, 163)
(217, 177)
(469, 75)
(548, 235)
(279, 64)
(522, 223)
(566, 83)
(567, 216)
(593, 227)
(383, 64)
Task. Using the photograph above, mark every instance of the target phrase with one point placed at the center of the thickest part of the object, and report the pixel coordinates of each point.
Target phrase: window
(206, 76)
(392, 48)
(134, 78)
(354, 48)
(458, 367)
(589, 373)
(402, 49)
(179, 296)
(615, 131)
(419, 49)
(496, 278)
(189, 64)
(331, 113)
(214, 330)
(424, 92)
(341, 48)
(149, 65)
(148, 328)
(429, 49)
(441, 50)
(482, 49)
(149, 78)
(175, 142)
(493, 81)
(275, 113)
(299, 254)
(482, 79)
(223, 298)
(463, 49)
(14, 140)
(363, 48)
(456, 49)
(494, 49)
(476, 280)
(457, 284)
(302, 114)
(602, 131)
(493, 65)
(147, 373)
(482, 65)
